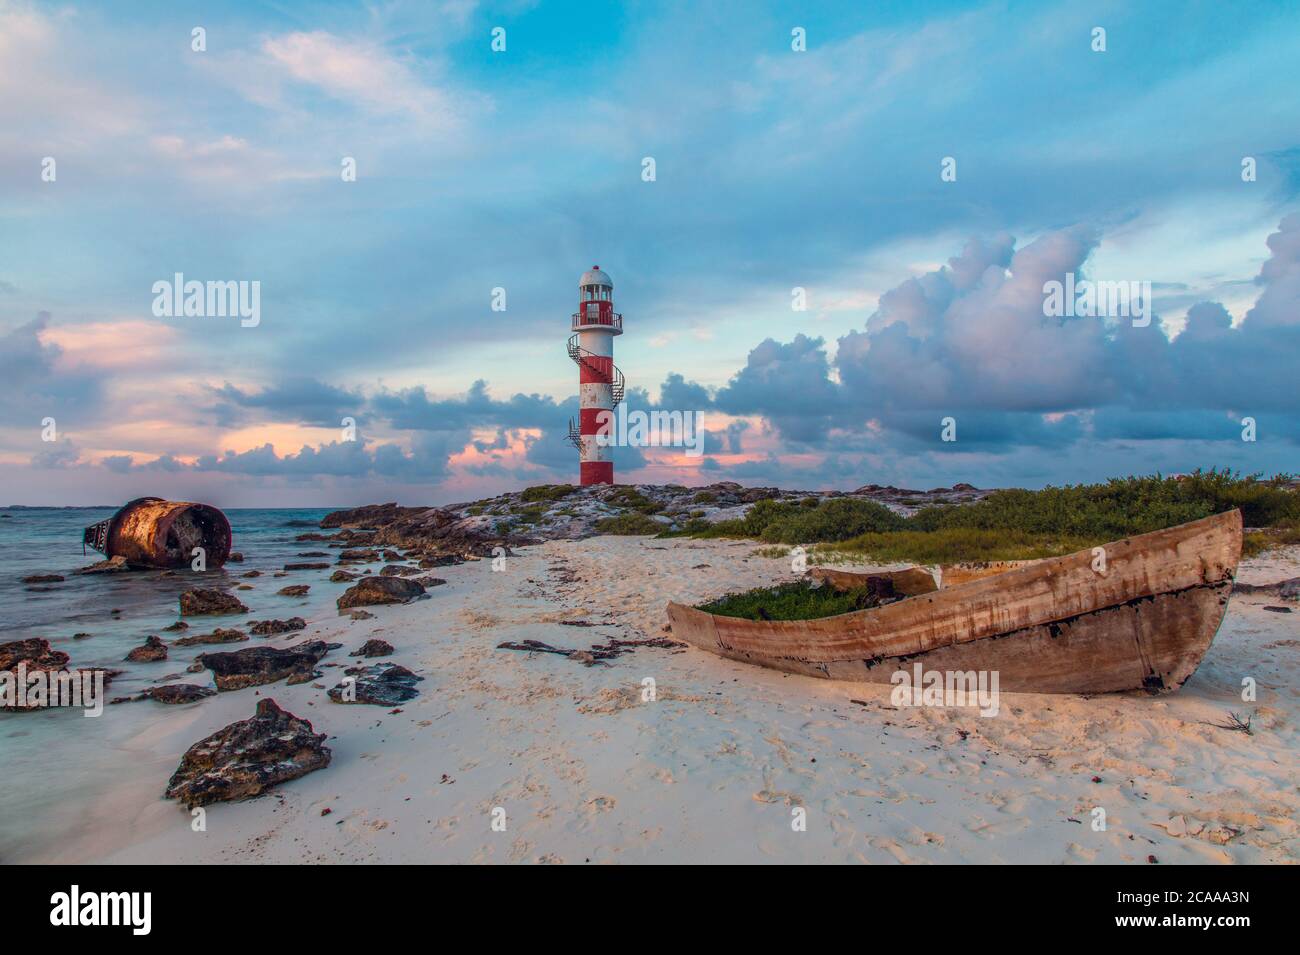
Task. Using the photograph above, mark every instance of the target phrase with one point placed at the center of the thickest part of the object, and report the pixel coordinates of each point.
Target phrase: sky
(920, 173)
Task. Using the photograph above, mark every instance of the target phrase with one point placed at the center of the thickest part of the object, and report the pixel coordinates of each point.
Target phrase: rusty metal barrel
(151, 532)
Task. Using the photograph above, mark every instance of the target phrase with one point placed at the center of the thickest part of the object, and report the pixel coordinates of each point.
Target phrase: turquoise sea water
(56, 759)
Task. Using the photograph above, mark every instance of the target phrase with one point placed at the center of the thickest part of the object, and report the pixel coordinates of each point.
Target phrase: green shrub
(547, 492)
(629, 522)
(796, 601)
(1020, 524)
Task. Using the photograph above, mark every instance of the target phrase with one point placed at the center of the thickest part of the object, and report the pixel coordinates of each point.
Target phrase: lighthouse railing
(588, 321)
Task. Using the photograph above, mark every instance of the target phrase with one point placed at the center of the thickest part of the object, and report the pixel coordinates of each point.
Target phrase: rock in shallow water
(201, 601)
(219, 635)
(382, 684)
(113, 565)
(294, 590)
(248, 757)
(176, 693)
(379, 590)
(35, 652)
(255, 666)
(152, 650)
(270, 628)
(43, 579)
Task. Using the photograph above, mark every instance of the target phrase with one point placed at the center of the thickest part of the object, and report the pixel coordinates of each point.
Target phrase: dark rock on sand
(382, 684)
(427, 582)
(1286, 589)
(200, 601)
(151, 651)
(379, 590)
(44, 579)
(361, 615)
(294, 590)
(255, 666)
(271, 628)
(220, 635)
(399, 570)
(248, 757)
(373, 648)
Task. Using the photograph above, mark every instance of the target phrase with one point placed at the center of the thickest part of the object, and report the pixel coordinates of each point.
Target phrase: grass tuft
(794, 601)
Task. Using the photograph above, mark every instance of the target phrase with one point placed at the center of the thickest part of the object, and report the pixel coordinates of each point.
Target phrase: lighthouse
(600, 383)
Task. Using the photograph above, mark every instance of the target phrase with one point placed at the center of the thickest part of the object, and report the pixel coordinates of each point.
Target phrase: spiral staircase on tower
(618, 386)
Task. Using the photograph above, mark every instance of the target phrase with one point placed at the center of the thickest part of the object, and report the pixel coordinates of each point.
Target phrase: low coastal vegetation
(1020, 524)
(628, 523)
(796, 601)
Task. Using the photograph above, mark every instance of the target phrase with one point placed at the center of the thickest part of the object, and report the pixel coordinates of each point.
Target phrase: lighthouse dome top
(595, 276)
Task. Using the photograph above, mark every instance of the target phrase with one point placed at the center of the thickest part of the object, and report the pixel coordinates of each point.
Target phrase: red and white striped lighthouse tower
(600, 383)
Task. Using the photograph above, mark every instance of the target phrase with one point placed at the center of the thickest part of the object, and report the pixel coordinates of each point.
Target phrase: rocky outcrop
(399, 570)
(294, 590)
(566, 512)
(381, 684)
(272, 628)
(430, 530)
(373, 648)
(372, 515)
(152, 650)
(343, 577)
(248, 757)
(379, 590)
(255, 666)
(201, 601)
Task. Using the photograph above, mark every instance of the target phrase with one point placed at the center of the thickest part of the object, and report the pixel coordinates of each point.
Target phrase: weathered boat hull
(950, 575)
(151, 532)
(908, 582)
(1051, 626)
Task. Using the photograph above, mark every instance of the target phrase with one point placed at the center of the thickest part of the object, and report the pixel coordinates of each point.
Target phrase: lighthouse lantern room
(600, 383)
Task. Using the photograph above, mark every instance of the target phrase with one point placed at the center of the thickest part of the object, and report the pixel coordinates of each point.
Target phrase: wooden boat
(907, 582)
(1051, 626)
(950, 575)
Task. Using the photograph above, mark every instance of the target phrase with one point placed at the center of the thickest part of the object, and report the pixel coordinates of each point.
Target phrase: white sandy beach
(710, 771)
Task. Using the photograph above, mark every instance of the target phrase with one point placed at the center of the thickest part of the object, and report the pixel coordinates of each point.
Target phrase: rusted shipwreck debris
(151, 532)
